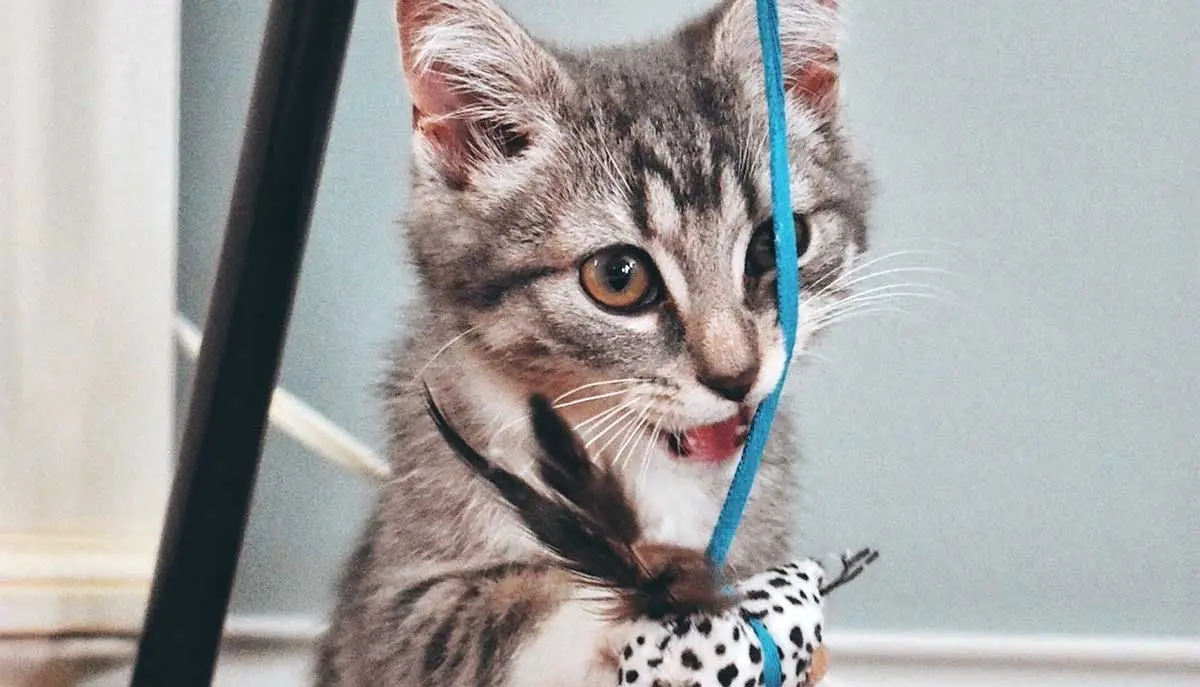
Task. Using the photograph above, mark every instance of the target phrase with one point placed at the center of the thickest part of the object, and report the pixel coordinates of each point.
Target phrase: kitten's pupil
(760, 254)
(803, 235)
(620, 272)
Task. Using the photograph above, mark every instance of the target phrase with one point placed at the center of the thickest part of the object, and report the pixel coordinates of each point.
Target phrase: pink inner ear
(817, 83)
(433, 94)
(434, 100)
(432, 90)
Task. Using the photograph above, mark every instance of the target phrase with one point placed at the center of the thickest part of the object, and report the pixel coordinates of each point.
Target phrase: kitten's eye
(621, 278)
(760, 253)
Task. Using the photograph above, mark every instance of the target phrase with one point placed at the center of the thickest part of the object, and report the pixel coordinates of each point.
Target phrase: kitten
(593, 227)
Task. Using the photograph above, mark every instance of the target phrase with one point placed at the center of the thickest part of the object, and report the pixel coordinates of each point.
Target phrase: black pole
(298, 73)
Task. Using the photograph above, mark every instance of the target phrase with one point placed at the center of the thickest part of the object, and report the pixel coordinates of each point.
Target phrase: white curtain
(88, 197)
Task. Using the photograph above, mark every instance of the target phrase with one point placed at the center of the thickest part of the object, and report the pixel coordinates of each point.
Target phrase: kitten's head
(602, 219)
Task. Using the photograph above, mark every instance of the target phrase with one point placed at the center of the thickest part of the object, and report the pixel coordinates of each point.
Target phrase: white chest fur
(679, 503)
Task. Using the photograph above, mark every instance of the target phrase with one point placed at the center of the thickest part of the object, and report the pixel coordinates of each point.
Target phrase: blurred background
(1020, 436)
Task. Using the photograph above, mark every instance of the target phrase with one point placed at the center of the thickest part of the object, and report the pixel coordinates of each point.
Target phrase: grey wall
(1025, 447)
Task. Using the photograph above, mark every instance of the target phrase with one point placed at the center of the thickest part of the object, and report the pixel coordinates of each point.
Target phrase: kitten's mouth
(715, 443)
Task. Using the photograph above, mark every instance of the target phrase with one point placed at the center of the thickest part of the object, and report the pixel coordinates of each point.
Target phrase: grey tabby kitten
(593, 227)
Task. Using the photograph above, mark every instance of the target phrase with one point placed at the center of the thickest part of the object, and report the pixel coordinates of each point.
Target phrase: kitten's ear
(477, 80)
(808, 33)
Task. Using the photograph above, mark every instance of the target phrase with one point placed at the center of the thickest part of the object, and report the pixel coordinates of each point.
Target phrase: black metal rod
(283, 148)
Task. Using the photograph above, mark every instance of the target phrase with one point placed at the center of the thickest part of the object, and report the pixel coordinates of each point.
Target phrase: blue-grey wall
(1025, 449)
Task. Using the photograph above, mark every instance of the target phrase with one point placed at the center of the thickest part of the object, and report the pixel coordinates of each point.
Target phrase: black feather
(590, 524)
(571, 535)
(566, 467)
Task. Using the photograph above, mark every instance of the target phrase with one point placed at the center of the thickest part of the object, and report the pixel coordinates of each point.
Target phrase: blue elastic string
(787, 288)
(787, 285)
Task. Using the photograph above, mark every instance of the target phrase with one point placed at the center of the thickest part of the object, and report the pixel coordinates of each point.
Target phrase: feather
(590, 525)
(552, 522)
(567, 469)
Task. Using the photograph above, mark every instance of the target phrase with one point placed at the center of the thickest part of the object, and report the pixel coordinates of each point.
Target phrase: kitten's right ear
(808, 33)
(477, 81)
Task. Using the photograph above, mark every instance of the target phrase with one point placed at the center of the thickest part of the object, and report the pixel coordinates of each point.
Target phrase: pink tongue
(716, 442)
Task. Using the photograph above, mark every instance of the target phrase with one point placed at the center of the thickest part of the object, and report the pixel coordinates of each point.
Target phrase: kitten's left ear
(808, 33)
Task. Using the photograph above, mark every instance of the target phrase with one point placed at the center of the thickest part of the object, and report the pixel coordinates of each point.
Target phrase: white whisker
(589, 399)
(842, 317)
(440, 351)
(626, 414)
(646, 456)
(590, 385)
(603, 415)
(631, 436)
(901, 285)
(840, 284)
(507, 426)
(894, 295)
(859, 267)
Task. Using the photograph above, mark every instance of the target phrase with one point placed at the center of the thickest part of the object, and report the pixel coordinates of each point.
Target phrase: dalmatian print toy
(724, 651)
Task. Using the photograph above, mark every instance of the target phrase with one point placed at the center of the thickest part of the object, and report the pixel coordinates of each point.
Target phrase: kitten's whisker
(620, 419)
(651, 440)
(842, 317)
(589, 399)
(892, 296)
(927, 288)
(507, 426)
(868, 302)
(840, 284)
(629, 422)
(835, 280)
(818, 357)
(646, 455)
(589, 385)
(603, 415)
(631, 436)
(440, 351)
(860, 266)
(890, 291)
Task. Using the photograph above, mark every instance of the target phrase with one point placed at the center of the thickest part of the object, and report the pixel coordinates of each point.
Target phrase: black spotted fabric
(723, 651)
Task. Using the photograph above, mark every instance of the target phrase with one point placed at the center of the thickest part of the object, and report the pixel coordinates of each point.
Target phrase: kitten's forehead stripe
(646, 166)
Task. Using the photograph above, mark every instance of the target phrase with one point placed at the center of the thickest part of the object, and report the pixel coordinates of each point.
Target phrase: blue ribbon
(787, 285)
(787, 293)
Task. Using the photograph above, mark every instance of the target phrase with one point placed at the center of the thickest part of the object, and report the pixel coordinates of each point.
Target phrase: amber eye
(621, 278)
(760, 253)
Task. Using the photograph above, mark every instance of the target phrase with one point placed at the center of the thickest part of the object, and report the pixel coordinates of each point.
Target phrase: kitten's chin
(718, 442)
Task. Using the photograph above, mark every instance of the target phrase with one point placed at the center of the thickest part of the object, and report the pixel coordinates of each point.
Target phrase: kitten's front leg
(575, 646)
(518, 624)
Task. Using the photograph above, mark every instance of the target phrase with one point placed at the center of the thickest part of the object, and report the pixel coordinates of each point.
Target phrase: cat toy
(684, 627)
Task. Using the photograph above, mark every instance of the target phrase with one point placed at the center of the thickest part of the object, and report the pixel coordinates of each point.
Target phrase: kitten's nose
(734, 386)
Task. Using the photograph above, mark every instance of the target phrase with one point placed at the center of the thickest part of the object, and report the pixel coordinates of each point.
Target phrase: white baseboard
(54, 585)
(270, 651)
(902, 659)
